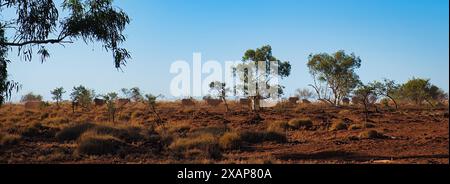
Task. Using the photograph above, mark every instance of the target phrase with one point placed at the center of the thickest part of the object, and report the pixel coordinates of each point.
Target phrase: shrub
(338, 125)
(278, 126)
(230, 140)
(179, 128)
(205, 142)
(368, 125)
(129, 134)
(124, 116)
(56, 121)
(73, 132)
(137, 114)
(217, 130)
(371, 134)
(32, 130)
(8, 139)
(355, 127)
(263, 136)
(91, 143)
(38, 130)
(300, 123)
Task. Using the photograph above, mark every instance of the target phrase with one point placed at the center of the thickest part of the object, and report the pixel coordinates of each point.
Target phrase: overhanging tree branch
(48, 41)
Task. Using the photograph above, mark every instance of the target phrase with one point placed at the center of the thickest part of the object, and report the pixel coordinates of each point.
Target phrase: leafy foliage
(419, 90)
(337, 71)
(83, 96)
(38, 23)
(253, 78)
(31, 97)
(57, 94)
(151, 102)
(110, 99)
(6, 86)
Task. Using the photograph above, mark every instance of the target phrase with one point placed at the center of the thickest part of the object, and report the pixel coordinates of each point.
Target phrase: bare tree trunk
(317, 91)
(393, 100)
(226, 104)
(366, 109)
(156, 113)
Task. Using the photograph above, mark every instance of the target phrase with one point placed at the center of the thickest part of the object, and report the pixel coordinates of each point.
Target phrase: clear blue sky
(396, 39)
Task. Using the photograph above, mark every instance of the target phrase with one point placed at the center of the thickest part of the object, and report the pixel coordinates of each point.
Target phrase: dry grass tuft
(230, 141)
(300, 123)
(71, 133)
(338, 125)
(263, 136)
(207, 143)
(371, 134)
(278, 126)
(9, 140)
(91, 143)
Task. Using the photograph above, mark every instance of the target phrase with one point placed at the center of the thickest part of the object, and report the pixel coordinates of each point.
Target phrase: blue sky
(396, 39)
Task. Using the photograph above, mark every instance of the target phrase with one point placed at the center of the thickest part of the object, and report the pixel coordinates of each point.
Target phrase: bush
(230, 140)
(355, 127)
(137, 114)
(338, 125)
(178, 128)
(129, 134)
(278, 126)
(217, 130)
(73, 132)
(205, 142)
(38, 130)
(91, 143)
(368, 125)
(32, 130)
(300, 123)
(8, 139)
(56, 121)
(371, 134)
(262, 136)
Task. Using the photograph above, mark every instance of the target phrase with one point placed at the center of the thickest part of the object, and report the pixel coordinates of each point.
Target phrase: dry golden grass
(230, 141)
(91, 143)
(204, 145)
(204, 134)
(9, 140)
(371, 134)
(278, 126)
(300, 123)
(263, 136)
(338, 125)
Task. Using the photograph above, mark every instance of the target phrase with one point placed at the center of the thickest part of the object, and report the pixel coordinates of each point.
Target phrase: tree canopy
(337, 71)
(249, 71)
(38, 23)
(419, 90)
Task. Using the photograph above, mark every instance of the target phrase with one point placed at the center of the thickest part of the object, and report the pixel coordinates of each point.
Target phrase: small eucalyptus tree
(57, 95)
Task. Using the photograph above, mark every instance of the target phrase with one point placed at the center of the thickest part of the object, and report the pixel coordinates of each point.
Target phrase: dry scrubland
(302, 133)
